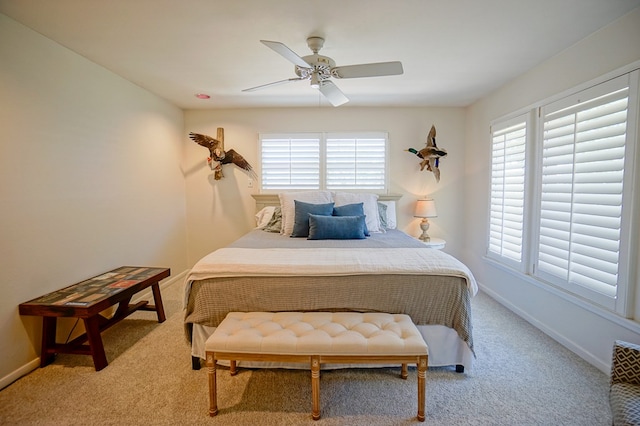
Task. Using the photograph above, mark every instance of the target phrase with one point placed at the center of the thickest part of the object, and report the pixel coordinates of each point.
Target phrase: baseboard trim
(561, 339)
(35, 363)
(16, 374)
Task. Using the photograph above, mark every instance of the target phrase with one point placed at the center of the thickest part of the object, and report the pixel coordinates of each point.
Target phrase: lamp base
(424, 225)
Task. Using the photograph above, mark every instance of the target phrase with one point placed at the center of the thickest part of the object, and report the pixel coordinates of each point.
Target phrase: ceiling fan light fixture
(315, 81)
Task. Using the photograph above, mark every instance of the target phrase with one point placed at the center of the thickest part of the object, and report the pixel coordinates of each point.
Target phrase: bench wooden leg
(422, 375)
(92, 326)
(213, 395)
(315, 387)
(157, 300)
(233, 368)
(48, 340)
(405, 372)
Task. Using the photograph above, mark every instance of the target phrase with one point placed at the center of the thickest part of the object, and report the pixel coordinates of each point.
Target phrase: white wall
(221, 211)
(90, 179)
(588, 332)
(95, 172)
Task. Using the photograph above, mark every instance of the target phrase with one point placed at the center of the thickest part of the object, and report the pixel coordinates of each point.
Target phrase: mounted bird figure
(430, 154)
(219, 155)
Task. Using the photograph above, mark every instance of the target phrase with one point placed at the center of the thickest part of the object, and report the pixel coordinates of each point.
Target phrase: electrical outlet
(250, 184)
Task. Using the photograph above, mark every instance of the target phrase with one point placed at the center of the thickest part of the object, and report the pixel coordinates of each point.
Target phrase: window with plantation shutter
(562, 193)
(506, 217)
(324, 161)
(582, 179)
(290, 161)
(356, 161)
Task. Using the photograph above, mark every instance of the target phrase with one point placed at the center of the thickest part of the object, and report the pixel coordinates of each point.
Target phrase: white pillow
(264, 216)
(289, 209)
(392, 222)
(370, 205)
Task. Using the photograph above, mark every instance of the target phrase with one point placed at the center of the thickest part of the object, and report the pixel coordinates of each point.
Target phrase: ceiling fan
(319, 69)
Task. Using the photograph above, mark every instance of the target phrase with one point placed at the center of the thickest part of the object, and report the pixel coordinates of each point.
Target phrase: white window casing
(562, 208)
(324, 161)
(290, 161)
(582, 166)
(507, 202)
(356, 161)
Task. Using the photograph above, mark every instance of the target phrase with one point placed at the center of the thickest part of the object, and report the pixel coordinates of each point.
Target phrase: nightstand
(435, 243)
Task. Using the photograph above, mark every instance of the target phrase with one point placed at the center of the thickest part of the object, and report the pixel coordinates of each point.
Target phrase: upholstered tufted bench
(317, 338)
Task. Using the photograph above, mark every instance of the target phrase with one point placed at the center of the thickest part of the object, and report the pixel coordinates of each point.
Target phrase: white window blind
(563, 194)
(581, 190)
(290, 161)
(324, 161)
(356, 162)
(507, 189)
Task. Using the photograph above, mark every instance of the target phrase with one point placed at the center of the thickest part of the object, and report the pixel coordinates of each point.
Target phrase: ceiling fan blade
(285, 52)
(275, 83)
(332, 93)
(368, 70)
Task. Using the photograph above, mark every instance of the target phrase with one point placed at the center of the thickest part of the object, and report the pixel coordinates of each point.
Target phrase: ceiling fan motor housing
(319, 64)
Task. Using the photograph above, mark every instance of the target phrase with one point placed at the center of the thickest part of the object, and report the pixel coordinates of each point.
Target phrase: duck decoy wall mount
(430, 155)
(218, 156)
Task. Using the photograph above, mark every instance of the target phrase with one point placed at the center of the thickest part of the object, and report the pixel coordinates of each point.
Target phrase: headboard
(264, 200)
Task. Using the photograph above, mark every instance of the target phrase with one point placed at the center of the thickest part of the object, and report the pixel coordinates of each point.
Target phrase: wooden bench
(317, 338)
(87, 300)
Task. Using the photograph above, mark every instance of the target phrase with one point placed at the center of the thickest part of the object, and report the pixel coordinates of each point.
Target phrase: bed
(386, 271)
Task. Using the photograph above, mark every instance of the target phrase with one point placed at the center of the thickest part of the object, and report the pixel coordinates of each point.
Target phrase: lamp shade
(425, 208)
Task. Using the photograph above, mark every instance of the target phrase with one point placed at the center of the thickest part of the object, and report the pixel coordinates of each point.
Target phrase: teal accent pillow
(356, 209)
(336, 227)
(302, 212)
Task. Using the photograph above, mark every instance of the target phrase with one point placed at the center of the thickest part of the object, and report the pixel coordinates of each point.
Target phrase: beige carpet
(521, 377)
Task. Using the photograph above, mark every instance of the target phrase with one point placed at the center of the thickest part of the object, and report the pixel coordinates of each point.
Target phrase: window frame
(323, 138)
(499, 127)
(290, 136)
(623, 302)
(619, 303)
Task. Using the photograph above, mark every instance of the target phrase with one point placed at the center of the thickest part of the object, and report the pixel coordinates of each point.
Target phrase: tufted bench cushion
(317, 338)
(317, 333)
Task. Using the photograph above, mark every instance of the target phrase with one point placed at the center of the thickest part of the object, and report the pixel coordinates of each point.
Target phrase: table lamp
(425, 208)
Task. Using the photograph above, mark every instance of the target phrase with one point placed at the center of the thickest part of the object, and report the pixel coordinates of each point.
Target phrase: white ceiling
(453, 51)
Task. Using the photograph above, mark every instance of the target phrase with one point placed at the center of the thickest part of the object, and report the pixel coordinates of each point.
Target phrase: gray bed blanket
(429, 299)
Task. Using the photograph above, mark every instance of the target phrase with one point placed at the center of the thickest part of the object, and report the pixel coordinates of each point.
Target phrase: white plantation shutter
(324, 161)
(581, 186)
(290, 161)
(507, 190)
(563, 194)
(356, 161)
